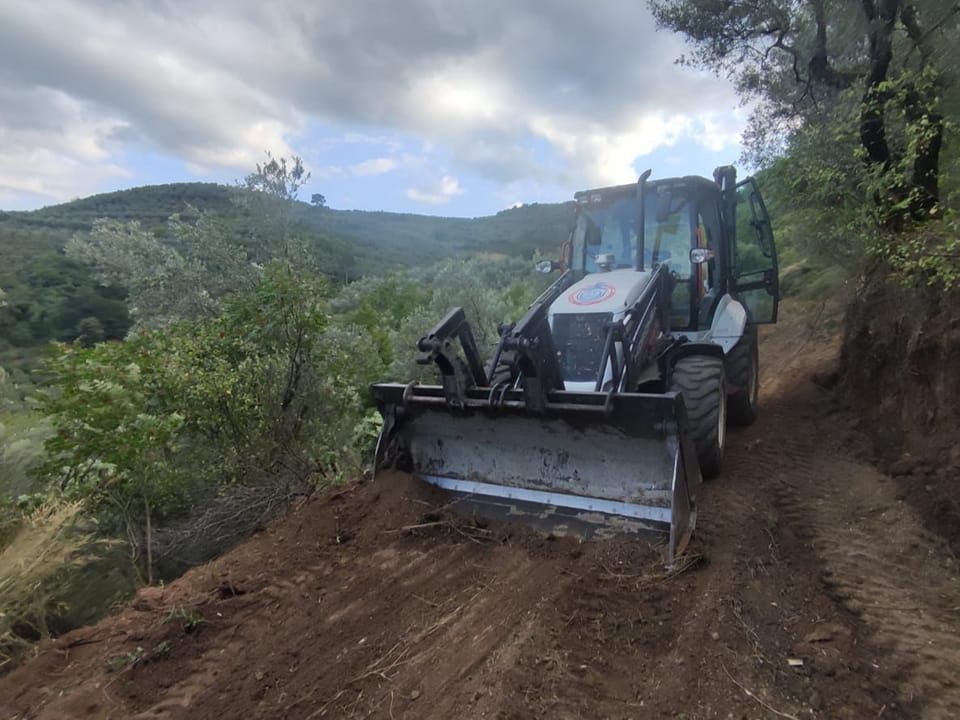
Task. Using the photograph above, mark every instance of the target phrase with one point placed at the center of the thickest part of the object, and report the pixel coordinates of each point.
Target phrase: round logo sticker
(593, 294)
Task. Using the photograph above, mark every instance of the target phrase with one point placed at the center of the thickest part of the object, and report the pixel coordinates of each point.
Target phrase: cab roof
(694, 182)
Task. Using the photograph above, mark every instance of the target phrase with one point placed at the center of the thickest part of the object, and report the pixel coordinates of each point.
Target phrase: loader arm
(438, 347)
(531, 343)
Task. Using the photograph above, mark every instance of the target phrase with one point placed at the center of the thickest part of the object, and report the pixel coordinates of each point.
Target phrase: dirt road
(811, 590)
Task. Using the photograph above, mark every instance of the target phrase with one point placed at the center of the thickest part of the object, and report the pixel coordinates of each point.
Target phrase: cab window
(610, 229)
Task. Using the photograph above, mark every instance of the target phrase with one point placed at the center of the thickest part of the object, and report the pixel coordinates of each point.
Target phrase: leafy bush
(267, 394)
(928, 252)
(184, 277)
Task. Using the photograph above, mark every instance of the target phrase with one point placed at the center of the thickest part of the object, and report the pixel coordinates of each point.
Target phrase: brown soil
(810, 590)
(899, 370)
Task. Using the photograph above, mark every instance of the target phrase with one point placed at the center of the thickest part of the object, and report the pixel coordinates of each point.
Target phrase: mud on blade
(593, 464)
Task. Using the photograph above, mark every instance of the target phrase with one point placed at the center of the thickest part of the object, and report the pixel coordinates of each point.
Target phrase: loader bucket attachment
(590, 464)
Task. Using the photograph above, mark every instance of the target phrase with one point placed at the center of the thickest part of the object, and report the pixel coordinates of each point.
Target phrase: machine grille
(579, 340)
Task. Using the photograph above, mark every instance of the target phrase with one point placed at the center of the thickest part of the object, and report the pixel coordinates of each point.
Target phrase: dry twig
(750, 632)
(424, 600)
(680, 566)
(756, 698)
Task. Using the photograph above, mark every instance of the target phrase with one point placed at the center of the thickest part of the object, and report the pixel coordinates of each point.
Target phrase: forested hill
(375, 239)
(48, 294)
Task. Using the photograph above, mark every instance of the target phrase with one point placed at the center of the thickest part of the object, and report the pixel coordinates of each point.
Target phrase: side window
(752, 251)
(754, 256)
(667, 232)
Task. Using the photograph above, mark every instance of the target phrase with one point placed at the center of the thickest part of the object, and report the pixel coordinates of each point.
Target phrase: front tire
(701, 379)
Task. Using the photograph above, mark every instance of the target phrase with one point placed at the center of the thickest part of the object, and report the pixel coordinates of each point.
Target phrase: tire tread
(701, 380)
(739, 362)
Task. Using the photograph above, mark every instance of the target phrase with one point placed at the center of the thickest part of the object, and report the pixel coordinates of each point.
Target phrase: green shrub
(266, 394)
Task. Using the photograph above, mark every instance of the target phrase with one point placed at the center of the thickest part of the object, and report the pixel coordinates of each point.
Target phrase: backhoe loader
(603, 407)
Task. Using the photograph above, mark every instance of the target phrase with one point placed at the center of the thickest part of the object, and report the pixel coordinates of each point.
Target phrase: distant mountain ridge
(382, 238)
(47, 294)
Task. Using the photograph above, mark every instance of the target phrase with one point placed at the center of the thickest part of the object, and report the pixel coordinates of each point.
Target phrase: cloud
(374, 166)
(506, 91)
(447, 189)
(53, 146)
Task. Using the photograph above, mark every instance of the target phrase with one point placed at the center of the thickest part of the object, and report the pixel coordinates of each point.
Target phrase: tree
(186, 276)
(50, 294)
(90, 331)
(278, 178)
(395, 309)
(879, 66)
(318, 200)
(114, 442)
(273, 190)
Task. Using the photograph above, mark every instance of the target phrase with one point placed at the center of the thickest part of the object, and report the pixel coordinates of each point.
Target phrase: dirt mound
(809, 591)
(366, 584)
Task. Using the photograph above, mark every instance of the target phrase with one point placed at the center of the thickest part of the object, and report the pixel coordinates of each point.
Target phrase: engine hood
(609, 292)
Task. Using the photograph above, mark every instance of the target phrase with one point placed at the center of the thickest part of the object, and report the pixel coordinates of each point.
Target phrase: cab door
(754, 272)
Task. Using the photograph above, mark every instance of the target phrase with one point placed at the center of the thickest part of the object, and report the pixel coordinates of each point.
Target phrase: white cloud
(718, 131)
(64, 153)
(325, 172)
(604, 155)
(447, 189)
(461, 97)
(374, 166)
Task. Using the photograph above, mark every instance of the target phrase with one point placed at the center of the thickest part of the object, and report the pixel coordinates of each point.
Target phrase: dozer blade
(593, 464)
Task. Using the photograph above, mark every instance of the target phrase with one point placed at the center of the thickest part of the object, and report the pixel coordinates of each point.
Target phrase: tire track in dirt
(881, 564)
(717, 642)
(878, 561)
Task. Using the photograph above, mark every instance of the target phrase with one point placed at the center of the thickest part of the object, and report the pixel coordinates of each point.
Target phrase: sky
(441, 107)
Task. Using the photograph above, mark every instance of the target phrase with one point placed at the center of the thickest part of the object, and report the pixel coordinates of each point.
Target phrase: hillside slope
(407, 239)
(47, 295)
(811, 591)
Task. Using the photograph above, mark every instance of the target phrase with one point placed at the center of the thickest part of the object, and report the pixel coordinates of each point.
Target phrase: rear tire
(743, 371)
(701, 379)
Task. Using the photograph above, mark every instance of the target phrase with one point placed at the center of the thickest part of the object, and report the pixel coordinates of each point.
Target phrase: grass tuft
(44, 546)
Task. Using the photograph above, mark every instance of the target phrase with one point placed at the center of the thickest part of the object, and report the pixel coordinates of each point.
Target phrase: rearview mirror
(698, 256)
(546, 266)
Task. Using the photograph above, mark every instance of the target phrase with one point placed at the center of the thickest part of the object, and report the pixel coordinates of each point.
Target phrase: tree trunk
(921, 111)
(926, 164)
(819, 66)
(149, 538)
(882, 15)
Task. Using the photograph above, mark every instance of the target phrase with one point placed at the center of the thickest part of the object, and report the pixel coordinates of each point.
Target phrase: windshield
(610, 229)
